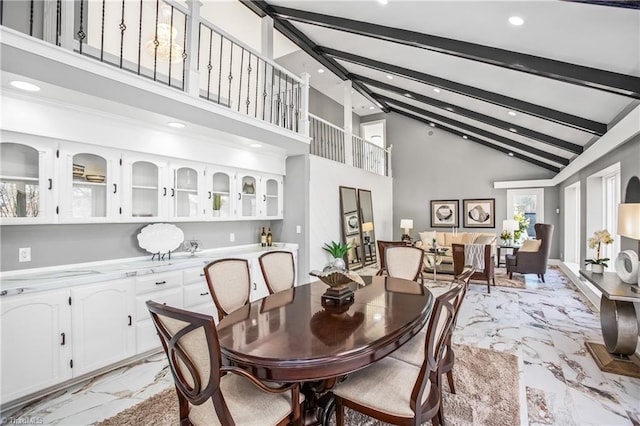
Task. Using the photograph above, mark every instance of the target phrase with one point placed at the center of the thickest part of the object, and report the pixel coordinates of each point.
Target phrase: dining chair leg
(488, 286)
(450, 380)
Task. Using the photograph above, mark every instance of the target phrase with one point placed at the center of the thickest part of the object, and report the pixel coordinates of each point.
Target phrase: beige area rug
(502, 279)
(486, 384)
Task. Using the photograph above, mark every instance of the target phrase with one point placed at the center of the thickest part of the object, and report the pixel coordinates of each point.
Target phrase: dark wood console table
(619, 324)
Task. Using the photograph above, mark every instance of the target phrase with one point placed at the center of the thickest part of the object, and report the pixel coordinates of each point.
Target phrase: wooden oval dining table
(296, 335)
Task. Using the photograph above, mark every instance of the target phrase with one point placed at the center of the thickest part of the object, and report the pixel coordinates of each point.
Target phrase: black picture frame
(479, 213)
(444, 213)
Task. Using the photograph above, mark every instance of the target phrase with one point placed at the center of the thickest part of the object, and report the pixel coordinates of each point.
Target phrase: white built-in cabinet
(36, 342)
(65, 182)
(196, 295)
(27, 190)
(103, 329)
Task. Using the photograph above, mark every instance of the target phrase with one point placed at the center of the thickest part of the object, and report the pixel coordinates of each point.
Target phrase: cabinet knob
(50, 183)
(173, 192)
(209, 194)
(164, 191)
(160, 282)
(130, 320)
(115, 188)
(64, 339)
(264, 198)
(239, 196)
(255, 286)
(204, 294)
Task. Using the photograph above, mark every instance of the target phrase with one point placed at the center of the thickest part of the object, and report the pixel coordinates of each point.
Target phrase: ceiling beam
(485, 134)
(504, 125)
(463, 89)
(627, 4)
(262, 9)
(608, 81)
(481, 142)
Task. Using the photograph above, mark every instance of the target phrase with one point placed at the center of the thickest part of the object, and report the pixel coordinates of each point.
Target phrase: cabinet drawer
(195, 275)
(155, 282)
(207, 309)
(196, 294)
(171, 297)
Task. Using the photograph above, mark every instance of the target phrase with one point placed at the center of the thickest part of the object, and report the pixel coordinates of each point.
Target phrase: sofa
(447, 239)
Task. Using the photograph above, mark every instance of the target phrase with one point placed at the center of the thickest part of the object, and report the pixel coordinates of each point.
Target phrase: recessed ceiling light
(383, 1)
(512, 113)
(449, 109)
(23, 85)
(516, 21)
(432, 124)
(256, 145)
(320, 70)
(465, 137)
(408, 95)
(436, 90)
(176, 125)
(372, 107)
(389, 76)
(511, 129)
(511, 154)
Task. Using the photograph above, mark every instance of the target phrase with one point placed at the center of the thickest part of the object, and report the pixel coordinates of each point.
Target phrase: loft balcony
(161, 57)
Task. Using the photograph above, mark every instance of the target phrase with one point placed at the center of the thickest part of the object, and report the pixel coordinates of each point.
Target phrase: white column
(49, 20)
(266, 39)
(192, 85)
(67, 30)
(348, 122)
(304, 107)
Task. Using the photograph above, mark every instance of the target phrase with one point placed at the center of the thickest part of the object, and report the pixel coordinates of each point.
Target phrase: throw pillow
(531, 245)
(467, 237)
(485, 239)
(427, 238)
(450, 238)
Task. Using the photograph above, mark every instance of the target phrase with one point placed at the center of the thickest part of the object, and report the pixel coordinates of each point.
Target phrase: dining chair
(487, 270)
(278, 270)
(382, 246)
(413, 351)
(404, 262)
(209, 393)
(398, 392)
(229, 283)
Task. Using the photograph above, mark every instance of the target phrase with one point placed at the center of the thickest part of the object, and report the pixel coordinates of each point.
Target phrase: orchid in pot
(599, 237)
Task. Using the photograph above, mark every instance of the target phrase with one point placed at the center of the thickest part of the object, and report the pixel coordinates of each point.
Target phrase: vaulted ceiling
(541, 91)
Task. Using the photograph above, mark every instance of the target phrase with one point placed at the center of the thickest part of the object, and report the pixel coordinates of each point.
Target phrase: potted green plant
(337, 251)
(523, 225)
(217, 204)
(505, 236)
(598, 264)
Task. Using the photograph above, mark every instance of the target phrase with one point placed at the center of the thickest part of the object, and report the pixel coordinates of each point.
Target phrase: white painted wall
(324, 204)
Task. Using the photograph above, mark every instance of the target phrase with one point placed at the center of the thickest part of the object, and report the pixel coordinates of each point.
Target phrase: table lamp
(629, 226)
(407, 225)
(366, 228)
(510, 225)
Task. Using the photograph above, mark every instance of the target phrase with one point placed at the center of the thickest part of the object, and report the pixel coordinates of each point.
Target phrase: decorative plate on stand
(160, 238)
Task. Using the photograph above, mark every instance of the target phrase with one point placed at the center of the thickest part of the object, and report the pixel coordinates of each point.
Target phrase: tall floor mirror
(356, 210)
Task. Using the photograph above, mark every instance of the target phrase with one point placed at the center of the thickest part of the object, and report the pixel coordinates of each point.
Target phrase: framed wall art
(351, 223)
(444, 213)
(479, 213)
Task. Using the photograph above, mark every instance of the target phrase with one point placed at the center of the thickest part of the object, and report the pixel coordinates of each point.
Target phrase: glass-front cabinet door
(145, 189)
(247, 205)
(185, 192)
(272, 197)
(90, 191)
(220, 194)
(26, 182)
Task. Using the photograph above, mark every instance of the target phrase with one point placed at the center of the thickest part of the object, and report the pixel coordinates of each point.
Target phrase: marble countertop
(41, 279)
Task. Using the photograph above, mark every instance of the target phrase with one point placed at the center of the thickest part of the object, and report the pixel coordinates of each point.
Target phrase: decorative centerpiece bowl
(338, 280)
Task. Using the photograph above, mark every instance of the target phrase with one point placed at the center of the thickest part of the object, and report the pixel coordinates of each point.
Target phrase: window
(572, 224)
(528, 201)
(603, 197)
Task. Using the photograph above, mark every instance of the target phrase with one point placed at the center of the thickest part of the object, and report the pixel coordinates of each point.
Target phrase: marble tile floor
(546, 325)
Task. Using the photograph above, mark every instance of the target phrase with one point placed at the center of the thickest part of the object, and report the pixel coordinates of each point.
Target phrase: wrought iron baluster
(81, 34)
(140, 39)
(58, 20)
(249, 69)
(209, 66)
(240, 82)
(230, 74)
(279, 100)
(286, 105)
(31, 18)
(264, 92)
(184, 50)
(220, 70)
(170, 41)
(156, 43)
(273, 83)
(2, 12)
(102, 32)
(255, 105)
(122, 27)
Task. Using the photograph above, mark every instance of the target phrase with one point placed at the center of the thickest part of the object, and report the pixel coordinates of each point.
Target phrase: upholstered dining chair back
(207, 395)
(460, 262)
(404, 262)
(229, 283)
(382, 246)
(278, 270)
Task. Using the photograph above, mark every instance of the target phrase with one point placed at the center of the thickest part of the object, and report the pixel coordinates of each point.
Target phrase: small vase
(434, 246)
(597, 269)
(338, 263)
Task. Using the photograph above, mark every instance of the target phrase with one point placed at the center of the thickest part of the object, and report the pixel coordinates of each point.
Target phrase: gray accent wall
(53, 245)
(432, 164)
(326, 108)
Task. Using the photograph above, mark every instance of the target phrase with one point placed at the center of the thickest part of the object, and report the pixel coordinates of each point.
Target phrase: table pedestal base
(610, 363)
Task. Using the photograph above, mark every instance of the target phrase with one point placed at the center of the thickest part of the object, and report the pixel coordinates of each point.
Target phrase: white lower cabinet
(197, 297)
(162, 288)
(258, 285)
(103, 331)
(36, 346)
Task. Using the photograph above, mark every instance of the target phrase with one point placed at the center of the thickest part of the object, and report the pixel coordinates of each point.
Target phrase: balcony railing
(171, 44)
(328, 141)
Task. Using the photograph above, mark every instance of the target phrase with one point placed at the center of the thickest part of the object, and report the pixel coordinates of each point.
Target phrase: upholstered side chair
(487, 273)
(208, 393)
(404, 262)
(395, 391)
(229, 283)
(413, 351)
(278, 270)
(533, 256)
(382, 246)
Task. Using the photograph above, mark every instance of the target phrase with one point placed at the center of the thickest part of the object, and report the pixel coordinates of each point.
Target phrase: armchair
(487, 273)
(526, 261)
